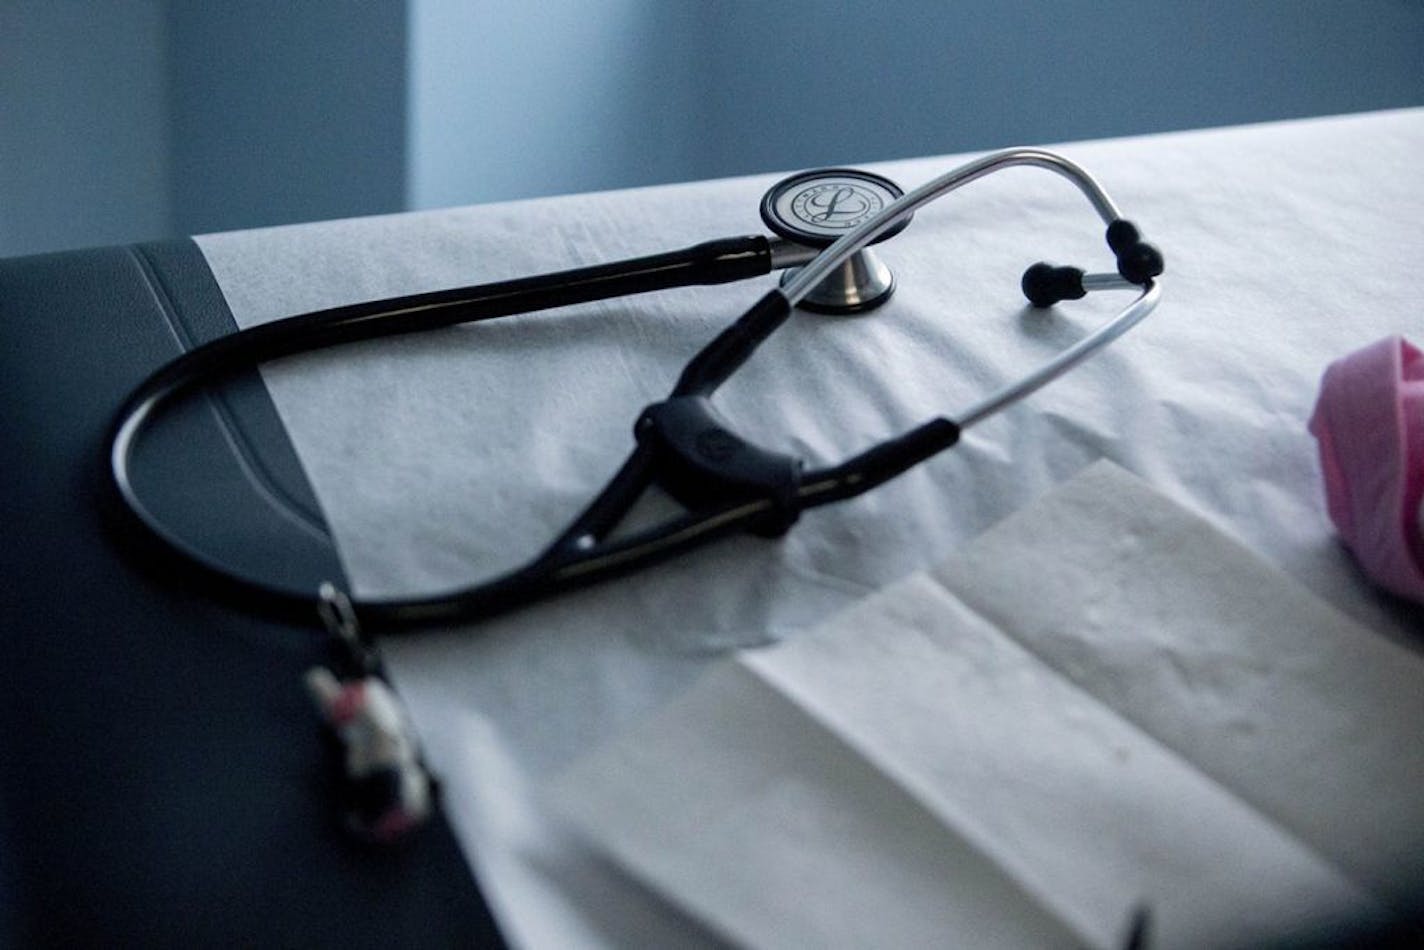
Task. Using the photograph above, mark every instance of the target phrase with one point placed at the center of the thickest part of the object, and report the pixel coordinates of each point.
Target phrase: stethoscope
(824, 224)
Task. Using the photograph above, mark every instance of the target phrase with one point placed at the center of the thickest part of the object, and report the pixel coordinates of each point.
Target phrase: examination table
(164, 776)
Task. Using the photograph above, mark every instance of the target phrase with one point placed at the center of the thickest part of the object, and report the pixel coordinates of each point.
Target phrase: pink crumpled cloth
(1369, 422)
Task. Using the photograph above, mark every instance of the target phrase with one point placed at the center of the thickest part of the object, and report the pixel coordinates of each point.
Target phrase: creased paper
(1027, 773)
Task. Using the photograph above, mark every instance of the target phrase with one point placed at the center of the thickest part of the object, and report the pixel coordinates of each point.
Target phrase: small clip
(339, 617)
(385, 789)
(337, 614)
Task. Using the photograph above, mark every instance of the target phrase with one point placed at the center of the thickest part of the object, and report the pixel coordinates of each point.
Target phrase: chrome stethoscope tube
(853, 241)
(863, 235)
(682, 444)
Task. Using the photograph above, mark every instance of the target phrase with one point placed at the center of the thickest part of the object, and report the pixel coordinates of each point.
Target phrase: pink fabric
(348, 702)
(1369, 421)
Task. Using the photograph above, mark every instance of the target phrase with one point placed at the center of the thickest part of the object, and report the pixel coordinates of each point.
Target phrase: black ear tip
(1141, 263)
(1045, 285)
(1035, 285)
(1122, 234)
(1137, 261)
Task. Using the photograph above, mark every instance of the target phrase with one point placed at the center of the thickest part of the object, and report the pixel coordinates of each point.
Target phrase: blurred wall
(83, 123)
(567, 95)
(511, 101)
(808, 82)
(285, 111)
(131, 119)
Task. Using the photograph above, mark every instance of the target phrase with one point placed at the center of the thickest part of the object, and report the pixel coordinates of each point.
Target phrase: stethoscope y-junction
(825, 224)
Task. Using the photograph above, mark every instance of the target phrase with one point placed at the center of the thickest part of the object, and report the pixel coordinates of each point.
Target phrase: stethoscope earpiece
(812, 209)
(1137, 264)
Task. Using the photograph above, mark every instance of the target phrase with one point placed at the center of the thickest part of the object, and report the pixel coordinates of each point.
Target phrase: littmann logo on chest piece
(835, 205)
(816, 207)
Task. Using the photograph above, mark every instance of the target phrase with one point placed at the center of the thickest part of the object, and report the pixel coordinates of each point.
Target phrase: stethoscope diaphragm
(814, 209)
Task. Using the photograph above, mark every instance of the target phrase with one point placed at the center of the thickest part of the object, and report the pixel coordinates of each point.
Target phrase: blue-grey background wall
(285, 111)
(803, 82)
(131, 119)
(555, 96)
(83, 123)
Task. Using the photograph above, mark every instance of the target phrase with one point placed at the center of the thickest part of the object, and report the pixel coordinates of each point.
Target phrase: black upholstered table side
(160, 765)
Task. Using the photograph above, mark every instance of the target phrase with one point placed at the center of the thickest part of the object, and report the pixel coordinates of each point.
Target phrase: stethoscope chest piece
(815, 208)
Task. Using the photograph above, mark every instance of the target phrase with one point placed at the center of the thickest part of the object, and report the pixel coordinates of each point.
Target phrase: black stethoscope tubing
(683, 445)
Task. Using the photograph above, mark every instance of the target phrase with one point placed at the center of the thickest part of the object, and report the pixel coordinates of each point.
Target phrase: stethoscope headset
(825, 223)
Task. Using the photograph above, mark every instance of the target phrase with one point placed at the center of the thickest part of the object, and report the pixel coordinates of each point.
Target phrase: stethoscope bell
(861, 283)
(815, 208)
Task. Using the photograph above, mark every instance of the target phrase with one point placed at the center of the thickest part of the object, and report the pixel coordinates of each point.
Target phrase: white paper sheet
(1307, 715)
(753, 815)
(1028, 777)
(440, 458)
